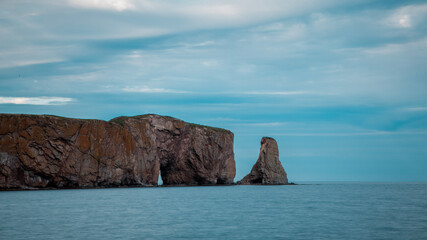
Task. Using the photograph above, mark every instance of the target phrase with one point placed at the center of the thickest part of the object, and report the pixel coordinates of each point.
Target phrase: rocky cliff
(41, 151)
(268, 170)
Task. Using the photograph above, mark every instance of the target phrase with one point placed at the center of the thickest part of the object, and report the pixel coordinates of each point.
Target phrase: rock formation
(267, 170)
(41, 151)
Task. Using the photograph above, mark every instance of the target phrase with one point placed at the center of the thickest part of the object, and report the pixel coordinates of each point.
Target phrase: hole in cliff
(159, 180)
(220, 181)
(256, 181)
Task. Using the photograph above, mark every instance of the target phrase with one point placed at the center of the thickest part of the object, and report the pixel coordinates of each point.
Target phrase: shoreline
(141, 186)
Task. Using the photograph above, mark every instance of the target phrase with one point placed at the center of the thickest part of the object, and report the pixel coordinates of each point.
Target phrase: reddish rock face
(40, 151)
(268, 170)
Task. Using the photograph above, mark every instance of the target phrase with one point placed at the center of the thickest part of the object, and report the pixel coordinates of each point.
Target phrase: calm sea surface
(318, 211)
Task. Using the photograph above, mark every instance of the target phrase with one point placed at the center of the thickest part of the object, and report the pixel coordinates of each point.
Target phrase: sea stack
(267, 170)
(41, 151)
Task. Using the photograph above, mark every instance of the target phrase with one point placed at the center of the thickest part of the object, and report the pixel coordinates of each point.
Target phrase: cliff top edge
(117, 120)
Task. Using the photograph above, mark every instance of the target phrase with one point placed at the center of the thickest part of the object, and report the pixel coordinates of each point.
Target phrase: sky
(341, 85)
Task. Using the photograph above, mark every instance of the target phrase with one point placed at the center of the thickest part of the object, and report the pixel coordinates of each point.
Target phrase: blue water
(321, 211)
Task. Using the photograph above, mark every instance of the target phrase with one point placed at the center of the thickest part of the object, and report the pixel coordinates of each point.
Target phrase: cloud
(408, 16)
(20, 63)
(399, 20)
(193, 15)
(116, 5)
(28, 54)
(405, 21)
(146, 89)
(35, 100)
(286, 49)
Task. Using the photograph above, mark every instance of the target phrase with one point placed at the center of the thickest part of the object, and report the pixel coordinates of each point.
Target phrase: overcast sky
(341, 85)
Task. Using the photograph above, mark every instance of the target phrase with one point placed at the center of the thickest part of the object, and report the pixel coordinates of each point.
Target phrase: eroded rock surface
(41, 151)
(268, 170)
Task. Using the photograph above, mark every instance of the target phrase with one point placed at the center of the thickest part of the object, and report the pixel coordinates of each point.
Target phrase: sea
(315, 210)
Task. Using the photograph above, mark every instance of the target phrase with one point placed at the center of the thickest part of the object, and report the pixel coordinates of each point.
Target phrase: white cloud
(116, 5)
(210, 13)
(28, 54)
(20, 63)
(146, 89)
(35, 100)
(144, 18)
(400, 20)
(408, 16)
(405, 21)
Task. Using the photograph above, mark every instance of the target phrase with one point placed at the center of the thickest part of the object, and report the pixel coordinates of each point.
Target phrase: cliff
(268, 169)
(41, 151)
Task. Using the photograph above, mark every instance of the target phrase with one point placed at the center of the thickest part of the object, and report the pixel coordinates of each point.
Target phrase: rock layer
(268, 169)
(41, 151)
